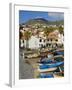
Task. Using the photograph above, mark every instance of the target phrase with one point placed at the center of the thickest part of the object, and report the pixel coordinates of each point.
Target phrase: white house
(36, 42)
(33, 42)
(55, 39)
(60, 39)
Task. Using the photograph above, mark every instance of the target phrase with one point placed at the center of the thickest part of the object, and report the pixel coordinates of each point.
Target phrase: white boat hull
(47, 70)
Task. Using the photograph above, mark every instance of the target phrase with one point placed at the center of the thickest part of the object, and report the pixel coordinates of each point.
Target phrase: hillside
(43, 21)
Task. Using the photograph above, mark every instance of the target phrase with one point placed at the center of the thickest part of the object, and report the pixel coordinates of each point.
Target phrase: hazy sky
(52, 16)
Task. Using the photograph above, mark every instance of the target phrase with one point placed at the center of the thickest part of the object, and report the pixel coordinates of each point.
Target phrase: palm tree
(27, 35)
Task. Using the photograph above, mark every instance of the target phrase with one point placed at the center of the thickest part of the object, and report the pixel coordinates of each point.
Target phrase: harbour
(48, 65)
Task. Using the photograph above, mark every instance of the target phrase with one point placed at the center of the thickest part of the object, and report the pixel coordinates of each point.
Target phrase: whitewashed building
(37, 41)
(34, 42)
(60, 39)
(55, 39)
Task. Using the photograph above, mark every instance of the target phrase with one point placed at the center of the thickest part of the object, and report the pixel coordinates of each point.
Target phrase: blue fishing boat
(46, 66)
(46, 61)
(43, 75)
(59, 52)
(59, 58)
(47, 69)
(58, 74)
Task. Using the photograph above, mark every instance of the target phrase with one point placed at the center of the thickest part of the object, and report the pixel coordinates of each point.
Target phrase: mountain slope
(43, 21)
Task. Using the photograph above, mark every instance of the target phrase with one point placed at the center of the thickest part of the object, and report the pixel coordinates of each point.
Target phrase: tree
(61, 29)
(27, 35)
(47, 31)
(51, 28)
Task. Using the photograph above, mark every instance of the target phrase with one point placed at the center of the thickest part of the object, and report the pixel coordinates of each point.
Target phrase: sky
(24, 16)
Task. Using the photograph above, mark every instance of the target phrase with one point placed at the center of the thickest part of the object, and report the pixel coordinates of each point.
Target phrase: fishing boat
(46, 61)
(58, 74)
(59, 58)
(47, 69)
(58, 52)
(44, 75)
(47, 66)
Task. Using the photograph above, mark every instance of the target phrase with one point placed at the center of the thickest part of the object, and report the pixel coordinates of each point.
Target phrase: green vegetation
(41, 25)
(47, 31)
(61, 29)
(44, 22)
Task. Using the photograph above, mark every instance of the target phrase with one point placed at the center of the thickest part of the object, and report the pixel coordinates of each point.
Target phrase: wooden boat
(59, 58)
(58, 52)
(44, 75)
(47, 70)
(58, 74)
(47, 66)
(49, 62)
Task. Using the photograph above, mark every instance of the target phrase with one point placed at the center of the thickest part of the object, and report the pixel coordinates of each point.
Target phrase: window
(56, 45)
(41, 46)
(47, 39)
(40, 40)
(47, 44)
(23, 41)
(44, 40)
(51, 39)
(56, 40)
